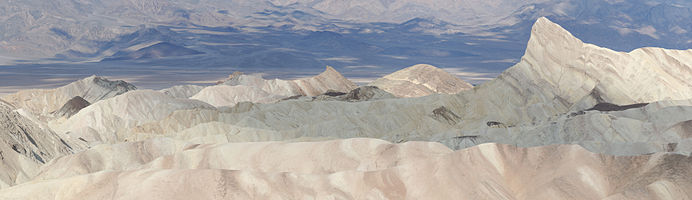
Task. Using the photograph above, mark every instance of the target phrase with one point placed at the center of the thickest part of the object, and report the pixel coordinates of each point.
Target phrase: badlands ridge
(569, 121)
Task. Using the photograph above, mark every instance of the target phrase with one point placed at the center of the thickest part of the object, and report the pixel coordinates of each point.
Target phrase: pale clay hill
(629, 114)
(253, 88)
(182, 91)
(421, 80)
(355, 169)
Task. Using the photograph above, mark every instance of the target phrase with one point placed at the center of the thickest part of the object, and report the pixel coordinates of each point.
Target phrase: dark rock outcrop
(366, 93)
(363, 93)
(73, 106)
(614, 107)
(443, 114)
(494, 124)
(333, 93)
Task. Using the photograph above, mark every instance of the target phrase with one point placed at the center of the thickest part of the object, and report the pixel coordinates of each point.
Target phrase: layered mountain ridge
(45, 101)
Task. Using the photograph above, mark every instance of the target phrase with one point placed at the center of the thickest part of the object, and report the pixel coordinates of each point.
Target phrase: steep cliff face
(24, 146)
(421, 80)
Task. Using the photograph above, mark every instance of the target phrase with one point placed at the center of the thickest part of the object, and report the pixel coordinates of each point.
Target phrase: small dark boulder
(574, 114)
(671, 147)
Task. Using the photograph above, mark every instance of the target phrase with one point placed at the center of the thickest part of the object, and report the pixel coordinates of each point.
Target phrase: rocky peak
(329, 79)
(549, 36)
(330, 71)
(331, 74)
(118, 85)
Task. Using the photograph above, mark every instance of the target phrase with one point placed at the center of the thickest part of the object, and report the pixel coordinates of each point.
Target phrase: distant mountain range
(363, 39)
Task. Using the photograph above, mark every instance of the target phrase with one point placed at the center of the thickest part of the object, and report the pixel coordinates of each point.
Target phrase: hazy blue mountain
(474, 39)
(158, 50)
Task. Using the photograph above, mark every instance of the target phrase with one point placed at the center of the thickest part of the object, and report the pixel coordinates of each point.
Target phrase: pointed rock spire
(329, 79)
(547, 35)
(329, 71)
